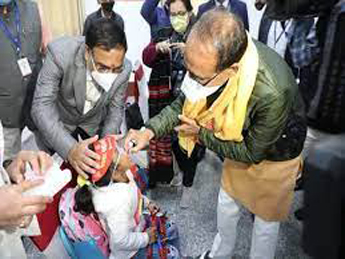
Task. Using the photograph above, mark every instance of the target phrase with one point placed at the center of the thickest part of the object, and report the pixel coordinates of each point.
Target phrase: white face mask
(195, 91)
(105, 80)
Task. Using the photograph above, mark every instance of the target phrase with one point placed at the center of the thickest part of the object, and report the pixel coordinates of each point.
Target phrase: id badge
(24, 67)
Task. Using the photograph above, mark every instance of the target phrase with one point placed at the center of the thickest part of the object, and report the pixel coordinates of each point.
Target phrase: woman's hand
(16, 209)
(40, 162)
(163, 47)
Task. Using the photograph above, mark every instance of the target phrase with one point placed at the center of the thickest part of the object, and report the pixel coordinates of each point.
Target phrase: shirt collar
(102, 13)
(225, 4)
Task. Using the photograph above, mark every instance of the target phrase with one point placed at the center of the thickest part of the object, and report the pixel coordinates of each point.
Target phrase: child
(113, 195)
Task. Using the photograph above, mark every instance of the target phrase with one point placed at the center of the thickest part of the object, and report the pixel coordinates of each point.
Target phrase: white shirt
(117, 205)
(226, 4)
(278, 37)
(93, 93)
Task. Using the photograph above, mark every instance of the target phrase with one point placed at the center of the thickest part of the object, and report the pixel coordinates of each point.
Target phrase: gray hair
(226, 32)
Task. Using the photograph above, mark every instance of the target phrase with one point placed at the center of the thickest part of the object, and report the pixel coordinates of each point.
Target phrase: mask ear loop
(93, 63)
(116, 165)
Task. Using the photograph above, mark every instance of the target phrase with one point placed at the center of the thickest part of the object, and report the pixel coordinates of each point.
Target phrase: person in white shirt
(113, 194)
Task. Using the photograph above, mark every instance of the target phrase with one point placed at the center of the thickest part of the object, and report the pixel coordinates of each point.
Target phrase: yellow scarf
(228, 112)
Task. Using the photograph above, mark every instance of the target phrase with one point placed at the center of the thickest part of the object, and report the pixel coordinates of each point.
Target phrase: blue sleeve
(200, 12)
(149, 11)
(245, 17)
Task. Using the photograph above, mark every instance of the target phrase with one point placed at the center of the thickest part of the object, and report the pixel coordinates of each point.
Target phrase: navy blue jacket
(236, 6)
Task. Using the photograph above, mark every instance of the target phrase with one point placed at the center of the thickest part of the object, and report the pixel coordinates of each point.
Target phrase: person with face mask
(106, 11)
(165, 56)
(240, 100)
(20, 62)
(156, 14)
(81, 88)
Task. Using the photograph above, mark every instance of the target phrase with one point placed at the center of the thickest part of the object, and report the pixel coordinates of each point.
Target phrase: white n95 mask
(195, 91)
(105, 80)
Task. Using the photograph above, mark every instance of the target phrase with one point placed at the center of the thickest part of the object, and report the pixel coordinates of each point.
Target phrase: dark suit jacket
(98, 15)
(237, 7)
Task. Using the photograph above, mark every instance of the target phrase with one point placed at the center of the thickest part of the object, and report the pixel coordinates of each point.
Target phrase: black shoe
(252, 217)
(299, 214)
(299, 184)
(152, 184)
(205, 255)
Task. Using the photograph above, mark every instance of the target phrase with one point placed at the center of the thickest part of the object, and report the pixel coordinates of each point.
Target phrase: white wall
(137, 30)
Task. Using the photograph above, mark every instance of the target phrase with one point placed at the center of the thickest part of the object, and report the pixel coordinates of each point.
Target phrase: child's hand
(153, 208)
(152, 233)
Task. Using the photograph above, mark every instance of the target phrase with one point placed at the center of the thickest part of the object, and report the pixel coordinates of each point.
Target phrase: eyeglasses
(204, 82)
(105, 69)
(182, 13)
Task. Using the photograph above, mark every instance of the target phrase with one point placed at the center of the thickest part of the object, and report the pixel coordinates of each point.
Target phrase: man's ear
(234, 69)
(87, 54)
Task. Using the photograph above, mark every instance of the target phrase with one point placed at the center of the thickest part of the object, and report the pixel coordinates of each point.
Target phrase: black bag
(285, 9)
(134, 119)
(291, 141)
(327, 108)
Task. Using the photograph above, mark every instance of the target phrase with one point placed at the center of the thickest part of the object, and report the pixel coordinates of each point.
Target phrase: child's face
(124, 163)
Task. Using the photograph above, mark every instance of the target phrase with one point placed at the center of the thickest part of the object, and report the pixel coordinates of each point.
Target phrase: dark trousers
(324, 200)
(187, 164)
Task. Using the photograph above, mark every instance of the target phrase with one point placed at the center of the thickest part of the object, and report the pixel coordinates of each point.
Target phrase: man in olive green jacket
(262, 162)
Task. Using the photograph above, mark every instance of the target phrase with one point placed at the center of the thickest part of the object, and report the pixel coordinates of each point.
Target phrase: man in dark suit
(106, 11)
(235, 6)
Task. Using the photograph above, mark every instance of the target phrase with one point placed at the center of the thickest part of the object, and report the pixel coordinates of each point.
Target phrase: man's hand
(163, 47)
(137, 140)
(83, 159)
(17, 209)
(188, 126)
(40, 162)
(178, 45)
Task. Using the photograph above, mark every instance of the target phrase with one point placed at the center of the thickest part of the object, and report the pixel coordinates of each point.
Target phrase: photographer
(165, 56)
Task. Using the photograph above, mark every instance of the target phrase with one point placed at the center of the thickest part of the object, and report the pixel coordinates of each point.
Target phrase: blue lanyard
(15, 39)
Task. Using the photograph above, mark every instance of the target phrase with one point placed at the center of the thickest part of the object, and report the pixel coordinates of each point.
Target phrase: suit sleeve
(86, 25)
(149, 11)
(200, 12)
(44, 109)
(245, 17)
(150, 54)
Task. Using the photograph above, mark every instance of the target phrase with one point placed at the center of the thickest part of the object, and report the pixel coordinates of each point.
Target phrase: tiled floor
(197, 224)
